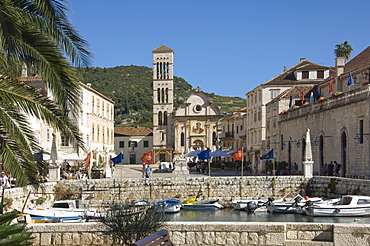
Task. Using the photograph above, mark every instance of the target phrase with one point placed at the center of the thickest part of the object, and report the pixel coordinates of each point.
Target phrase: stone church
(194, 125)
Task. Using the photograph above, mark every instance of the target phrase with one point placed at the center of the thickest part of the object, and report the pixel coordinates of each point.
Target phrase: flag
(148, 157)
(331, 85)
(117, 159)
(204, 155)
(302, 97)
(350, 79)
(238, 155)
(39, 156)
(87, 160)
(316, 92)
(290, 101)
(269, 155)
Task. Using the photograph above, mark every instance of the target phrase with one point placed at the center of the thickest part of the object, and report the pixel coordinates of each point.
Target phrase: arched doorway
(344, 154)
(198, 144)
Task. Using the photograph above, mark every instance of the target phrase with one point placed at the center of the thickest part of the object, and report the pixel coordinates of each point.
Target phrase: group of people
(331, 169)
(201, 168)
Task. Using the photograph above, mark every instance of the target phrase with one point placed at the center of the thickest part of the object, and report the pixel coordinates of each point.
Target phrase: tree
(127, 228)
(38, 35)
(13, 234)
(343, 50)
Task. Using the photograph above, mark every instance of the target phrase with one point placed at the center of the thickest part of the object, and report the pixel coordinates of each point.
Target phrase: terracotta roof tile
(132, 131)
(288, 78)
(162, 48)
(361, 60)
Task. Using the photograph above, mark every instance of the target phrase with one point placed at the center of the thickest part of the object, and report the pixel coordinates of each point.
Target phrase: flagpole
(242, 160)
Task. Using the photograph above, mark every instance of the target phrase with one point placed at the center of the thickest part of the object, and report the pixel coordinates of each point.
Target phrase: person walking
(223, 167)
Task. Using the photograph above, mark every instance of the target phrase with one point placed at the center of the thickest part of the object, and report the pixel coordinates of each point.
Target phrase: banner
(117, 159)
(238, 155)
(87, 161)
(269, 155)
(204, 155)
(147, 158)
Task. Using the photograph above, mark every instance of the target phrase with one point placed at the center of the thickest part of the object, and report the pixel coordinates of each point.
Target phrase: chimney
(302, 59)
(340, 62)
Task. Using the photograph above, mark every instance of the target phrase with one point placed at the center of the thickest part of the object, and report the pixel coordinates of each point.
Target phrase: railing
(159, 238)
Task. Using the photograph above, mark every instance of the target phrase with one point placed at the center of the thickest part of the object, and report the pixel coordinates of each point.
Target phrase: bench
(159, 238)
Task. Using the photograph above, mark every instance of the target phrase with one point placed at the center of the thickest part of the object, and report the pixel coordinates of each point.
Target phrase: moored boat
(294, 205)
(194, 203)
(251, 205)
(168, 205)
(347, 206)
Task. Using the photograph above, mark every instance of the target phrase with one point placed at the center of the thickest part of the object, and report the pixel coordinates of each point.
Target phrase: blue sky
(225, 47)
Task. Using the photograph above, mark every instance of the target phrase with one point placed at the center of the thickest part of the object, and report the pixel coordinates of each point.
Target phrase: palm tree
(343, 50)
(39, 35)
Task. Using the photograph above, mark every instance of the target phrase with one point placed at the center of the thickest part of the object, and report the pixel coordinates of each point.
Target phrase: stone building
(95, 124)
(233, 132)
(304, 72)
(193, 125)
(339, 123)
(133, 142)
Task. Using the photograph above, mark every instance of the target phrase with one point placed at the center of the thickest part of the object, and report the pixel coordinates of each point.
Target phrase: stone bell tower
(163, 139)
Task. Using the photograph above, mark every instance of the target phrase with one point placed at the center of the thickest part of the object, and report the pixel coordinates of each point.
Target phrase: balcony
(227, 135)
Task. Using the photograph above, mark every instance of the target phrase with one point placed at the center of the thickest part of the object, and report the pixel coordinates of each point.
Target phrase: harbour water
(231, 215)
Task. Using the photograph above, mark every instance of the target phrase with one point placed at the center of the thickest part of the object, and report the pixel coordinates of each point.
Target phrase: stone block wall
(213, 233)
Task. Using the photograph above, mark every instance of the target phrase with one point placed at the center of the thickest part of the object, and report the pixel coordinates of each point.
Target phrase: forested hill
(130, 87)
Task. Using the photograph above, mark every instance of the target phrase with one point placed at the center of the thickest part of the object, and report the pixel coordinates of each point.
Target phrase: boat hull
(337, 211)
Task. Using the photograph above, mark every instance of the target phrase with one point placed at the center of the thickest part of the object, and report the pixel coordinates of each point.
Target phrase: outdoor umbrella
(193, 153)
(218, 152)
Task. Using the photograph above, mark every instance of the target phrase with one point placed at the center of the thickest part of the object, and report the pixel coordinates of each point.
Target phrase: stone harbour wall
(214, 233)
(98, 192)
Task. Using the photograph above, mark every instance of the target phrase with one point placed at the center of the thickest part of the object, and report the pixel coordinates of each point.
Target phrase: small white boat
(251, 205)
(60, 211)
(204, 204)
(168, 205)
(294, 205)
(348, 205)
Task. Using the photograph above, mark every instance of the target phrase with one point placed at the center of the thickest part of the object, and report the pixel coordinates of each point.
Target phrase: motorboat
(117, 210)
(346, 206)
(294, 205)
(251, 205)
(194, 203)
(142, 204)
(168, 205)
(59, 211)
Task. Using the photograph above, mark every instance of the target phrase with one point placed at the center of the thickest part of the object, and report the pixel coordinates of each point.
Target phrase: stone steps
(307, 243)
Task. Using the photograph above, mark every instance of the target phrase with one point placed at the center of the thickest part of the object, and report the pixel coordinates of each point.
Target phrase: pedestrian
(198, 167)
(236, 167)
(337, 168)
(4, 181)
(326, 172)
(223, 167)
(331, 169)
(295, 168)
(148, 171)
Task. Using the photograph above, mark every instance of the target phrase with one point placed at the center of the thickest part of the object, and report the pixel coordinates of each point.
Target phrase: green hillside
(130, 87)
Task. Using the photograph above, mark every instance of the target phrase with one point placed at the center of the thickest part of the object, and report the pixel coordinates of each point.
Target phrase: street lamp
(357, 139)
(298, 144)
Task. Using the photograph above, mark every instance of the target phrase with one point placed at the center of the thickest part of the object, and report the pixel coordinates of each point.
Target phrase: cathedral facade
(194, 125)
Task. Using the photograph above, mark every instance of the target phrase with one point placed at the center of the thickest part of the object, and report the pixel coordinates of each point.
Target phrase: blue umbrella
(193, 153)
(218, 152)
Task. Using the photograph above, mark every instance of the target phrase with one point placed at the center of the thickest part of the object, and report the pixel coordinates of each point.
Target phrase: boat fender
(337, 210)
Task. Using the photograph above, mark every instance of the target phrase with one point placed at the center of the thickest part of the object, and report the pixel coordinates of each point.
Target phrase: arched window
(160, 118)
(158, 95)
(214, 139)
(165, 118)
(162, 136)
(182, 140)
(166, 95)
(162, 96)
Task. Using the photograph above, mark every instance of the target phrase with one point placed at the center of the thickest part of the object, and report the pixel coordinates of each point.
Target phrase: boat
(142, 204)
(294, 205)
(168, 205)
(59, 211)
(346, 206)
(252, 205)
(117, 210)
(194, 203)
